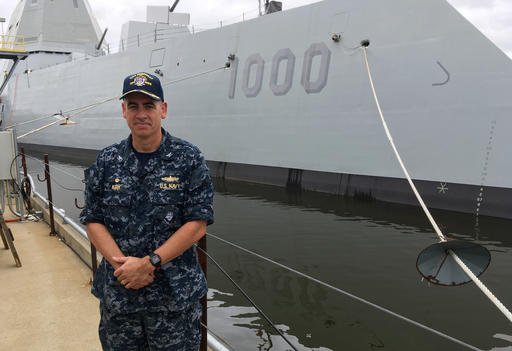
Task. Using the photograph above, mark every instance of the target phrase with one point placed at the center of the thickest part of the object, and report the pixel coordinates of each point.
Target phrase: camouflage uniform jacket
(142, 209)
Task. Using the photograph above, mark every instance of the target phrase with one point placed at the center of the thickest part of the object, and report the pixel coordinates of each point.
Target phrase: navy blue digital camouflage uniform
(141, 208)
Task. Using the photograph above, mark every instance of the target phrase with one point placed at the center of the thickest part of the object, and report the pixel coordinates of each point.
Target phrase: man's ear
(123, 108)
(164, 109)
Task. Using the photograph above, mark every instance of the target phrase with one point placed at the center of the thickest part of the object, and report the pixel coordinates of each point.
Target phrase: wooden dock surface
(46, 303)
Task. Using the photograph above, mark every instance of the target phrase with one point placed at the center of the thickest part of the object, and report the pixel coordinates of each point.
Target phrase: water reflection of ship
(368, 248)
(461, 225)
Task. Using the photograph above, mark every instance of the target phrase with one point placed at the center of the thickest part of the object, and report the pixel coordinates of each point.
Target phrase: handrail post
(49, 190)
(204, 317)
(27, 185)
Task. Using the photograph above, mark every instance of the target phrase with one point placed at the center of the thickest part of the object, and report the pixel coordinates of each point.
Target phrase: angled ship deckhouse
(55, 25)
(50, 32)
(293, 105)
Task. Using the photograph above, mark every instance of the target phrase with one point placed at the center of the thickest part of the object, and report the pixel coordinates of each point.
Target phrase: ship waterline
(439, 195)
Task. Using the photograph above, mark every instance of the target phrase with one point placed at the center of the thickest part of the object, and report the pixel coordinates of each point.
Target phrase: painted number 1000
(252, 87)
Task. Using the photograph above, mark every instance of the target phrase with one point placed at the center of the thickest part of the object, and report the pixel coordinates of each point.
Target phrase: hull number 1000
(255, 65)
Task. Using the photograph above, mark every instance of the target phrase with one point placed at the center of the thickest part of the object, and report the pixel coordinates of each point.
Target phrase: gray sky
(492, 17)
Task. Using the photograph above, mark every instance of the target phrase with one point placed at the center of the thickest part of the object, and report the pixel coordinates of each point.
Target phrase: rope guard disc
(437, 265)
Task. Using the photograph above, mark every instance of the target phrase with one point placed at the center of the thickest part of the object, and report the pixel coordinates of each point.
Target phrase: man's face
(143, 115)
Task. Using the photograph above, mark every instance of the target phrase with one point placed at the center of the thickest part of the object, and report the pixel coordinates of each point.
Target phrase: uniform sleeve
(92, 212)
(199, 201)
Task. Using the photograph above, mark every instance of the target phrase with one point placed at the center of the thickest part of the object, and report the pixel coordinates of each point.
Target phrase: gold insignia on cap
(140, 79)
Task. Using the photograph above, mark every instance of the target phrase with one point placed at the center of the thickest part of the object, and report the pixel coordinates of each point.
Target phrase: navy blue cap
(144, 83)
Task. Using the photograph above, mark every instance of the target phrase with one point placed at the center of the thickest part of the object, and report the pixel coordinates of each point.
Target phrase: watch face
(155, 260)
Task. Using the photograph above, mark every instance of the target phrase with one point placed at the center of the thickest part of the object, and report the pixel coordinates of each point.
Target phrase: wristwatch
(155, 260)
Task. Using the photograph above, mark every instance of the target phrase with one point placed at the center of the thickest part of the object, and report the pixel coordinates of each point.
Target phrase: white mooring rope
(462, 265)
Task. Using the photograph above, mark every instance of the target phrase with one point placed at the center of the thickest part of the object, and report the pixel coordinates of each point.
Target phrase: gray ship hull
(452, 197)
(295, 107)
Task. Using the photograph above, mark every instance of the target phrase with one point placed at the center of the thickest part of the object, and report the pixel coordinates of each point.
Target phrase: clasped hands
(134, 272)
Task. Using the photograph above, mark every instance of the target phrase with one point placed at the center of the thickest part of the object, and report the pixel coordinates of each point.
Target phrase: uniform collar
(130, 160)
(166, 147)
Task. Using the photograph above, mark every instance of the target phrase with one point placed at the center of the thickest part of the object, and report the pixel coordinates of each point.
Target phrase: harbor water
(365, 248)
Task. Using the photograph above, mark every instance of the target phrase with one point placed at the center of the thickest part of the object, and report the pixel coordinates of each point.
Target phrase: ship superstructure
(284, 98)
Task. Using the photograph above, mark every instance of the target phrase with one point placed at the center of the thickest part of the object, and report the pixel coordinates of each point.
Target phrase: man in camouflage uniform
(148, 200)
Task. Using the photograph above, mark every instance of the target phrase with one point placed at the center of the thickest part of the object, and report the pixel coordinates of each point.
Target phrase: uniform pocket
(167, 212)
(117, 208)
(165, 196)
(117, 198)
